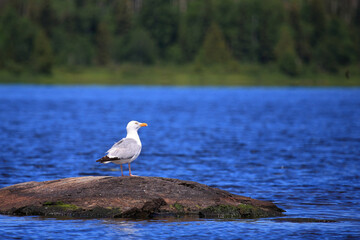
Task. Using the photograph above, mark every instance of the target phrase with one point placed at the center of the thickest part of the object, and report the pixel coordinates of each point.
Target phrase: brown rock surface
(129, 197)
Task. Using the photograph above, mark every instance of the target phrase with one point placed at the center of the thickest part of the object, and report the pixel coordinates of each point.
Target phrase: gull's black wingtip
(106, 159)
(103, 159)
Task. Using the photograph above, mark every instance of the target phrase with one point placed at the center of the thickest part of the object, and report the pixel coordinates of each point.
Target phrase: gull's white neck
(132, 133)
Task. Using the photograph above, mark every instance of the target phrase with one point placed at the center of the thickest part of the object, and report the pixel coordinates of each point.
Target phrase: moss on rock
(60, 204)
(230, 211)
(60, 209)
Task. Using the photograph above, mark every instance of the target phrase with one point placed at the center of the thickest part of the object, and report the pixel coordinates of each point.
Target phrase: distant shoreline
(186, 75)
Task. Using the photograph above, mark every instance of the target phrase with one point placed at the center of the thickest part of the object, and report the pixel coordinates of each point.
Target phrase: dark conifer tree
(42, 58)
(102, 44)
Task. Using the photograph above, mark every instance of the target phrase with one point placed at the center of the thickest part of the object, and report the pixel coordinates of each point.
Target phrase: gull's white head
(135, 125)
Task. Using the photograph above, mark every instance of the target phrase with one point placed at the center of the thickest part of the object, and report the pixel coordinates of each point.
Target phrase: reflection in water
(121, 227)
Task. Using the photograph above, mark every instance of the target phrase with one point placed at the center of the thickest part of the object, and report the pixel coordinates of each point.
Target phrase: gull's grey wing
(124, 149)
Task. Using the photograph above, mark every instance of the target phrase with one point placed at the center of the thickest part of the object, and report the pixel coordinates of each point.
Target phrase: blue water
(297, 147)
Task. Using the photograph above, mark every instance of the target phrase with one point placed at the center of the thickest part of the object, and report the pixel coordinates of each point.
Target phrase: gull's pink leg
(122, 174)
(130, 170)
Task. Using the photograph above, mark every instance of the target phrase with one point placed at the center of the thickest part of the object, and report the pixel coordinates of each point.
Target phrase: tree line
(36, 35)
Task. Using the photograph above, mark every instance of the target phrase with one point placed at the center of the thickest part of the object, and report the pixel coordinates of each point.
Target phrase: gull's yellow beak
(143, 124)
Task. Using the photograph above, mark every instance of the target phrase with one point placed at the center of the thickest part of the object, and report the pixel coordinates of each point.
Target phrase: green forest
(293, 39)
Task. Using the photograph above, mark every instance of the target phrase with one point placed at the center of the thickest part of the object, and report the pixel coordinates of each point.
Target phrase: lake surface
(297, 147)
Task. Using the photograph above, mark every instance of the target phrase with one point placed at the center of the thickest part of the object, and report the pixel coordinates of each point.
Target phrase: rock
(129, 197)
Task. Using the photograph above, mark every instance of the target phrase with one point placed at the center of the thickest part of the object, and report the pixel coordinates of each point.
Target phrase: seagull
(127, 149)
